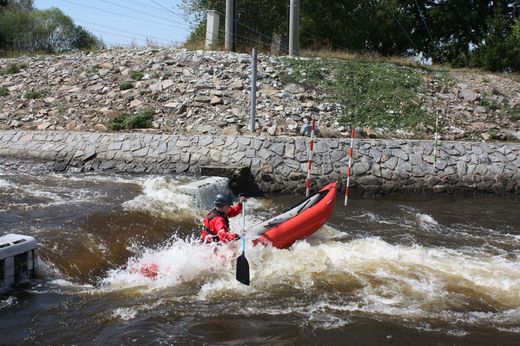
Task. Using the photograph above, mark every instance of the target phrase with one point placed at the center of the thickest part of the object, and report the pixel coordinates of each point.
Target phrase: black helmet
(222, 200)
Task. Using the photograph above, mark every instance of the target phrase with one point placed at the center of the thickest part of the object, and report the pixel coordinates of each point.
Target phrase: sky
(126, 22)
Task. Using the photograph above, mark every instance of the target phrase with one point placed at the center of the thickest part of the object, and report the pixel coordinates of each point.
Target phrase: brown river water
(401, 269)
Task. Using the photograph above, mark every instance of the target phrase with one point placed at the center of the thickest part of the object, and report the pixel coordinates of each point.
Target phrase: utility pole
(228, 38)
(253, 91)
(231, 25)
(294, 28)
(235, 19)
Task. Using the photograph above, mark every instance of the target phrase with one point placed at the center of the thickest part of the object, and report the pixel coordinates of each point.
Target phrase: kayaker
(215, 226)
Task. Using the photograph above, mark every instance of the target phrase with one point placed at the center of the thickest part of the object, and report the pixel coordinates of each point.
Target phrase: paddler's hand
(241, 198)
(237, 237)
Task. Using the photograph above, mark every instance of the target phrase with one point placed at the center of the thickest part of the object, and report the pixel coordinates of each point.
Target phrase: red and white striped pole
(311, 148)
(349, 163)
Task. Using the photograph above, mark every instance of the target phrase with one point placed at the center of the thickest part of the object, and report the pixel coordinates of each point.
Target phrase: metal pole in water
(349, 163)
(253, 92)
(309, 167)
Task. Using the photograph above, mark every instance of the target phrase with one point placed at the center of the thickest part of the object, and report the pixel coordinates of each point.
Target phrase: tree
(516, 31)
(499, 49)
(478, 33)
(49, 31)
(20, 5)
(82, 39)
(256, 20)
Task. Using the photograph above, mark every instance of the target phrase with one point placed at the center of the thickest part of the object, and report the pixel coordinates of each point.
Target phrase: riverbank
(180, 92)
(277, 164)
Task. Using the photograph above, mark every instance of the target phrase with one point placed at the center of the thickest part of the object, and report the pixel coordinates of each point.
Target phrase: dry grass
(361, 57)
(474, 71)
(512, 76)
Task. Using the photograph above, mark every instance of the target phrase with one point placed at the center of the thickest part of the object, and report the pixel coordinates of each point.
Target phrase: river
(402, 269)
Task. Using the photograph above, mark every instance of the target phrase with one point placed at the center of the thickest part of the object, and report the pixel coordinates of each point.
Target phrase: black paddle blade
(243, 269)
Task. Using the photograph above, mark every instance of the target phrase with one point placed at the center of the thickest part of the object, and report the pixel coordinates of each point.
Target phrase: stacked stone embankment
(278, 164)
(208, 92)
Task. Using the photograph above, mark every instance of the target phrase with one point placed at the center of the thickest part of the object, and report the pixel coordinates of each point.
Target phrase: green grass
(4, 91)
(504, 108)
(126, 85)
(127, 121)
(514, 113)
(373, 94)
(92, 70)
(12, 69)
(33, 94)
(137, 75)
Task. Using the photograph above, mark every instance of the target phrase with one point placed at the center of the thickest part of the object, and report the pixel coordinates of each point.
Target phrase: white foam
(69, 284)
(179, 262)
(161, 198)
(124, 314)
(407, 282)
(4, 183)
(9, 301)
(425, 219)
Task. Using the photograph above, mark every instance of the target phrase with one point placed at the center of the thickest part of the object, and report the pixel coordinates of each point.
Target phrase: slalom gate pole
(436, 139)
(349, 163)
(311, 149)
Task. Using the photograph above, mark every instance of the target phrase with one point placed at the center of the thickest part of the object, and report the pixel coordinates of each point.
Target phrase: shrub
(514, 113)
(13, 68)
(126, 85)
(127, 121)
(372, 94)
(93, 69)
(137, 75)
(33, 94)
(4, 91)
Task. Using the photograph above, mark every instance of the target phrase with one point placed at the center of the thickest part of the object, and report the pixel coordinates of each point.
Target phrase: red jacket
(215, 226)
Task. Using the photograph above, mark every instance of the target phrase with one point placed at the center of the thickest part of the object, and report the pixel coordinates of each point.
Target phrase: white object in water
(18, 260)
(204, 191)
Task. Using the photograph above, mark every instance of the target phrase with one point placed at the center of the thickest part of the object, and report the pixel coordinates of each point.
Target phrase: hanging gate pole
(311, 149)
(349, 164)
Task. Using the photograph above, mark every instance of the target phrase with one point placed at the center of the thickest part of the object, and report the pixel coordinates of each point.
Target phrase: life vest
(206, 230)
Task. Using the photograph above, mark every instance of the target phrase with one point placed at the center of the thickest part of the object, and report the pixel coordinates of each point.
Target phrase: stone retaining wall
(278, 164)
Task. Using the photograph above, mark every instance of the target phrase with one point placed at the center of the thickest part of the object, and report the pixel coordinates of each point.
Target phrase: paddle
(242, 264)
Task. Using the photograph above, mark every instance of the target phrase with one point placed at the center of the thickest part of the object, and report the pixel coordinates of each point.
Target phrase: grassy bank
(373, 93)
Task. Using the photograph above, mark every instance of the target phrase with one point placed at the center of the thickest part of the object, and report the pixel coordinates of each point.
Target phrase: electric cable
(121, 30)
(425, 24)
(121, 15)
(399, 23)
(142, 12)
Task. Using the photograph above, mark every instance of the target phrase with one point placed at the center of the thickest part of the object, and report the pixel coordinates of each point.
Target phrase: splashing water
(178, 262)
(161, 198)
(377, 266)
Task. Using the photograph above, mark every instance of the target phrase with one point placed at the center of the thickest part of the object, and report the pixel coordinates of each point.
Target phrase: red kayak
(283, 230)
(298, 222)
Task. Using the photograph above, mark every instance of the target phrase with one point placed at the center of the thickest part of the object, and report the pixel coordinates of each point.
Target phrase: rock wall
(208, 92)
(277, 164)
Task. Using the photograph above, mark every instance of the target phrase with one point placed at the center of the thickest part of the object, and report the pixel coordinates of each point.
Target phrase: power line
(424, 21)
(249, 39)
(120, 15)
(252, 30)
(246, 26)
(143, 4)
(169, 10)
(142, 12)
(114, 34)
(125, 31)
(399, 23)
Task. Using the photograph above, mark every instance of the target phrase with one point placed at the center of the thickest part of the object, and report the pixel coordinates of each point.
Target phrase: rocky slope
(196, 92)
